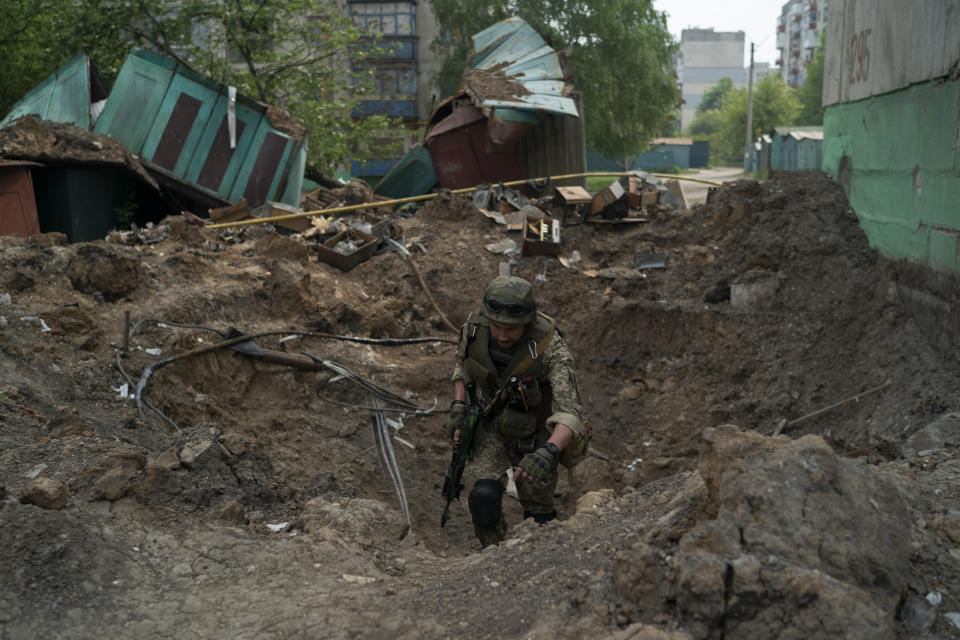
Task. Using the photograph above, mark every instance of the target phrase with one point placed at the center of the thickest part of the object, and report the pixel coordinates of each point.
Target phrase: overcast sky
(756, 18)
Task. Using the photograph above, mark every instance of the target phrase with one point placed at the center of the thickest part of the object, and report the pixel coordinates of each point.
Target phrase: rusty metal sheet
(460, 158)
(18, 207)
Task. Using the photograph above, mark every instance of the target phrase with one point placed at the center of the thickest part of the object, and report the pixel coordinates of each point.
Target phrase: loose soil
(245, 499)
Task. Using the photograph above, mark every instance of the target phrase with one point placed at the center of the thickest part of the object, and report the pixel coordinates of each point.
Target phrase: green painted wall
(897, 157)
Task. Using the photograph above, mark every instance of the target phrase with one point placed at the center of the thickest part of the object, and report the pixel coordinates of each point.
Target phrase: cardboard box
(606, 197)
(574, 195)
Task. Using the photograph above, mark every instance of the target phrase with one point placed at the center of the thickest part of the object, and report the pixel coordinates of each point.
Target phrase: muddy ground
(245, 499)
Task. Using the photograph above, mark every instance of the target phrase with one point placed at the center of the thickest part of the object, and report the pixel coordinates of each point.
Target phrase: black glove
(455, 421)
(541, 463)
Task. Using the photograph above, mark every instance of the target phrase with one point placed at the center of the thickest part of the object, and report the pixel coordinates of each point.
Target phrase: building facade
(705, 57)
(798, 35)
(402, 73)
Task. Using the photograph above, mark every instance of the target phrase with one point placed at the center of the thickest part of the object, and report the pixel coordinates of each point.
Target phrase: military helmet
(510, 300)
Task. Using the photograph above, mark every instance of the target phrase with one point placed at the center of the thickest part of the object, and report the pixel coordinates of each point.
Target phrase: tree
(37, 36)
(713, 99)
(620, 59)
(297, 54)
(811, 93)
(706, 124)
(774, 104)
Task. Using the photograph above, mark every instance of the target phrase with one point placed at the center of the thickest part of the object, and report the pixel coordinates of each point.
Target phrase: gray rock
(804, 544)
(112, 485)
(942, 432)
(917, 615)
(198, 453)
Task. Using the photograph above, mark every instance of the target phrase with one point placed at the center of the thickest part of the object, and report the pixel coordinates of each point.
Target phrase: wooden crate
(366, 246)
(541, 237)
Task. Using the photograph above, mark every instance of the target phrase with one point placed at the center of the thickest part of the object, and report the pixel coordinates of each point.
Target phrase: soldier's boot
(540, 518)
(488, 537)
(486, 510)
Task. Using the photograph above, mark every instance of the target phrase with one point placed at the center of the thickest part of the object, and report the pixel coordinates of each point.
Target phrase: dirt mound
(63, 143)
(252, 491)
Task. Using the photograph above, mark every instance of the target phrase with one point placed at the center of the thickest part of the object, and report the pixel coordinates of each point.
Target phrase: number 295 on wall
(859, 60)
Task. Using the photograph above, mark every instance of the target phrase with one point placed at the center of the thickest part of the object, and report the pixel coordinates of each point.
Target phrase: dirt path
(696, 193)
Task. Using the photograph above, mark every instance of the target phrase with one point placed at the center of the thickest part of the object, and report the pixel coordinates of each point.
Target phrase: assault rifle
(462, 451)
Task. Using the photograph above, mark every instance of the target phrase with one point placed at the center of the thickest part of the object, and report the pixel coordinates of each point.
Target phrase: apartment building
(705, 57)
(798, 35)
(403, 72)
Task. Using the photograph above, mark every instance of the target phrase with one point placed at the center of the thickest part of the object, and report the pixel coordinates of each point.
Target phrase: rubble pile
(774, 451)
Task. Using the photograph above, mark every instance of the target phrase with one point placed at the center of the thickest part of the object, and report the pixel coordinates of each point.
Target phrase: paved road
(696, 192)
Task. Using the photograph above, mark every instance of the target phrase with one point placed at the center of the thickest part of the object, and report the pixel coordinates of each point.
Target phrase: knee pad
(485, 502)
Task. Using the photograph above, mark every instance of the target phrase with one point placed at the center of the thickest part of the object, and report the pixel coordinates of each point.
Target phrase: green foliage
(620, 59)
(712, 100)
(38, 36)
(706, 124)
(295, 54)
(774, 104)
(811, 93)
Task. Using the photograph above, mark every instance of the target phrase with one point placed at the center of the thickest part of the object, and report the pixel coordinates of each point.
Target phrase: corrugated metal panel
(788, 154)
(885, 45)
(528, 59)
(178, 122)
(81, 202)
(460, 158)
(413, 175)
(810, 153)
(62, 97)
(699, 154)
(18, 208)
(136, 97)
(556, 147)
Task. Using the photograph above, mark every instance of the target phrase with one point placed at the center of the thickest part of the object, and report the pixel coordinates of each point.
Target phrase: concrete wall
(892, 139)
(891, 123)
(716, 53)
(428, 64)
(878, 46)
(896, 156)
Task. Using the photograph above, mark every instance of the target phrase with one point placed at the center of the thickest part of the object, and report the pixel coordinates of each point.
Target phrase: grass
(599, 183)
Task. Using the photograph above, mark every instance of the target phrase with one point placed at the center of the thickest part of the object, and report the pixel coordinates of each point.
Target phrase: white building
(705, 57)
(798, 36)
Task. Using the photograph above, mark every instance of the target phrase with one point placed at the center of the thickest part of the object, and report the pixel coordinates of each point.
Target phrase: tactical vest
(528, 401)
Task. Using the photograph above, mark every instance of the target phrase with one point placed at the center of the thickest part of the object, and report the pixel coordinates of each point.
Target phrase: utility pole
(746, 150)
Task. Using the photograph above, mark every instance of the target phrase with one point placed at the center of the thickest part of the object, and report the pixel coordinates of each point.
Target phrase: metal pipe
(430, 196)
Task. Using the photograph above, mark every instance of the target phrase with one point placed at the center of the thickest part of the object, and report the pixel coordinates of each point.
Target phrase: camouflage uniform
(499, 444)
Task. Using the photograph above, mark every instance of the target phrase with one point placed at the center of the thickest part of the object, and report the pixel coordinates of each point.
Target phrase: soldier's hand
(451, 428)
(539, 465)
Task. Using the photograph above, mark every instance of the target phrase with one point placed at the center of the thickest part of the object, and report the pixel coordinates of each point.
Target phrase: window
(389, 18)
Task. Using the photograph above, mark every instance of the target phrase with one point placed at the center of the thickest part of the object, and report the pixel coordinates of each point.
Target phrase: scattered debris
(348, 248)
(541, 236)
(507, 246)
(649, 260)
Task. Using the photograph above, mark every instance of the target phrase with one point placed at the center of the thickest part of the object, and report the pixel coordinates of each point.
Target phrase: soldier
(511, 356)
